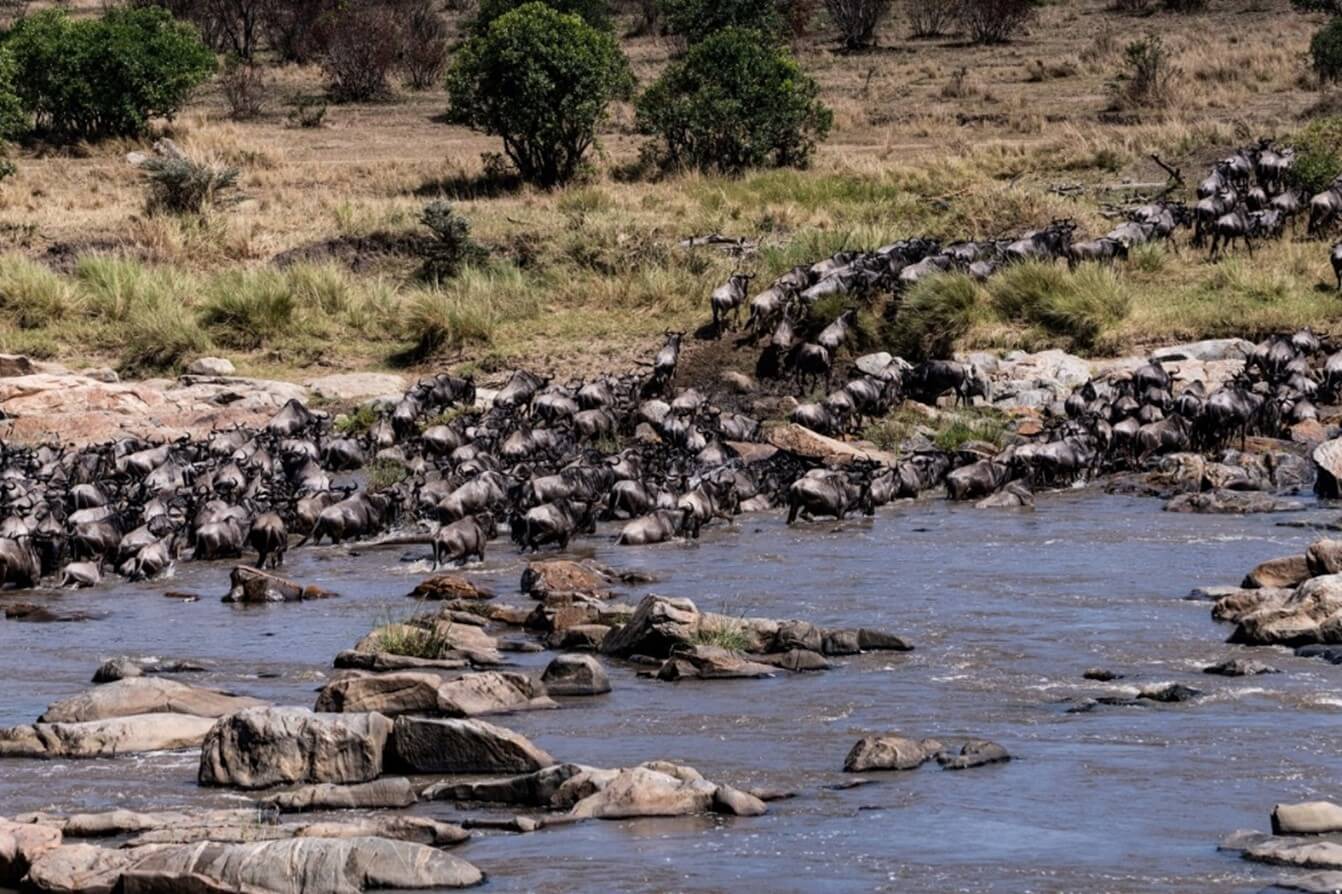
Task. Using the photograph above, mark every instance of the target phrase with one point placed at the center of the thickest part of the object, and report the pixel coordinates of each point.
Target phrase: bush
(1075, 306)
(308, 114)
(95, 78)
(450, 247)
(929, 18)
(294, 28)
(244, 87)
(1326, 51)
(160, 338)
(734, 102)
(13, 119)
(183, 186)
(541, 80)
(857, 20)
(993, 21)
(424, 55)
(363, 47)
(1150, 76)
(932, 316)
(1318, 154)
(594, 12)
(696, 20)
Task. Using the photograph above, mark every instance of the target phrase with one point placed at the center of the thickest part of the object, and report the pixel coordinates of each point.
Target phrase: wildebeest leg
(1248, 243)
(793, 507)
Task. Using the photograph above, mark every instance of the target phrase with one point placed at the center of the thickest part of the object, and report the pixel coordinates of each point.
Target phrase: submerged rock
(387, 793)
(1169, 693)
(1227, 502)
(252, 585)
(450, 586)
(974, 753)
(1240, 667)
(889, 753)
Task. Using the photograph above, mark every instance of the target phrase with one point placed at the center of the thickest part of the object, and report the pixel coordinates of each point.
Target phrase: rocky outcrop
(20, 846)
(392, 792)
(144, 695)
(572, 675)
(263, 747)
(433, 745)
(1312, 613)
(251, 585)
(797, 439)
(889, 753)
(105, 738)
(356, 386)
(405, 692)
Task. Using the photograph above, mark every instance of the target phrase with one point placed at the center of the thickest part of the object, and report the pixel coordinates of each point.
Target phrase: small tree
(857, 20)
(929, 18)
(295, 28)
(594, 12)
(1150, 73)
(244, 87)
(183, 186)
(696, 20)
(364, 43)
(734, 102)
(450, 247)
(1326, 50)
(424, 55)
(541, 80)
(95, 78)
(993, 21)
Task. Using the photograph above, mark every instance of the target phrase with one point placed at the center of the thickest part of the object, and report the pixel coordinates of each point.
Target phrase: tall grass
(1076, 307)
(935, 314)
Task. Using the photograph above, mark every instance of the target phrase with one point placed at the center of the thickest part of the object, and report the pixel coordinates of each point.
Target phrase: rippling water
(1006, 610)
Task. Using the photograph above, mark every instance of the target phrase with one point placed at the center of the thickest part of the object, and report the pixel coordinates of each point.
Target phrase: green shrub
(160, 338)
(734, 102)
(541, 80)
(95, 78)
(385, 473)
(697, 20)
(1318, 154)
(1150, 74)
(450, 247)
(1077, 306)
(413, 641)
(594, 12)
(246, 309)
(933, 315)
(1326, 50)
(183, 186)
(13, 119)
(956, 430)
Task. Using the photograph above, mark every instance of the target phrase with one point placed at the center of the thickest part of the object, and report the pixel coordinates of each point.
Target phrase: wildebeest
(933, 378)
(463, 539)
(826, 492)
(728, 298)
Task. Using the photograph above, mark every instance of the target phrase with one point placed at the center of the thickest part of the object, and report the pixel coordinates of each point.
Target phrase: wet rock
(115, 669)
(1308, 818)
(840, 642)
(734, 802)
(1286, 571)
(443, 637)
(382, 662)
(1101, 675)
(299, 866)
(538, 789)
(105, 738)
(653, 789)
(428, 745)
(144, 695)
(795, 660)
(416, 829)
(211, 366)
(1309, 883)
(578, 638)
(704, 662)
(1205, 350)
(32, 613)
(974, 753)
(406, 692)
(1227, 502)
(262, 747)
(869, 640)
(393, 792)
(797, 635)
(657, 626)
(1169, 693)
(250, 585)
(551, 578)
(573, 675)
(79, 869)
(1014, 496)
(889, 753)
(1310, 614)
(1331, 654)
(1240, 667)
(1304, 854)
(1328, 469)
(1324, 557)
(20, 846)
(450, 586)
(1239, 602)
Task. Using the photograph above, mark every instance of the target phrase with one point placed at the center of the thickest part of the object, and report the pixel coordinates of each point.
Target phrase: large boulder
(432, 745)
(80, 869)
(144, 695)
(1285, 571)
(547, 579)
(1324, 557)
(656, 628)
(391, 792)
(20, 846)
(575, 675)
(889, 753)
(211, 366)
(1328, 469)
(450, 586)
(406, 692)
(297, 866)
(1308, 818)
(105, 738)
(261, 747)
(1310, 614)
(657, 789)
(974, 753)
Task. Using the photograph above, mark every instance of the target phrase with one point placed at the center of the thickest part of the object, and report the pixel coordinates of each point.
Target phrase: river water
(1006, 609)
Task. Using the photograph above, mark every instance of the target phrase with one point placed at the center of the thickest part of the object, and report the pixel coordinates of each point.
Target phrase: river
(1006, 610)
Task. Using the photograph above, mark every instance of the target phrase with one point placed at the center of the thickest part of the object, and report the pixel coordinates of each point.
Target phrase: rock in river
(406, 692)
(1308, 818)
(1285, 571)
(575, 675)
(251, 585)
(975, 753)
(889, 753)
(20, 846)
(392, 792)
(105, 738)
(433, 745)
(144, 695)
(261, 747)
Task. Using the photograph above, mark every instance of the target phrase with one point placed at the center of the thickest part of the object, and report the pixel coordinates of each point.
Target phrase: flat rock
(1207, 349)
(356, 386)
(1240, 667)
(801, 441)
(105, 738)
(406, 692)
(390, 792)
(975, 753)
(79, 869)
(211, 366)
(433, 745)
(1307, 818)
(145, 695)
(1285, 571)
(705, 662)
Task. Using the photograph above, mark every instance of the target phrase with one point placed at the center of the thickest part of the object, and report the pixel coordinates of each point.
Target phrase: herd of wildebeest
(548, 461)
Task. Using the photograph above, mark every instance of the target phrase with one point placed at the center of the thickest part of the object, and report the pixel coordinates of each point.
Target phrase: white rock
(356, 386)
(211, 366)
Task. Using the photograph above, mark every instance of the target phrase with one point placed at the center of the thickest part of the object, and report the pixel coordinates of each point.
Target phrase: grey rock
(575, 675)
(432, 745)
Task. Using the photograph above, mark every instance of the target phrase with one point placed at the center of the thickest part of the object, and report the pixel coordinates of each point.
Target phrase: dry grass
(918, 148)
